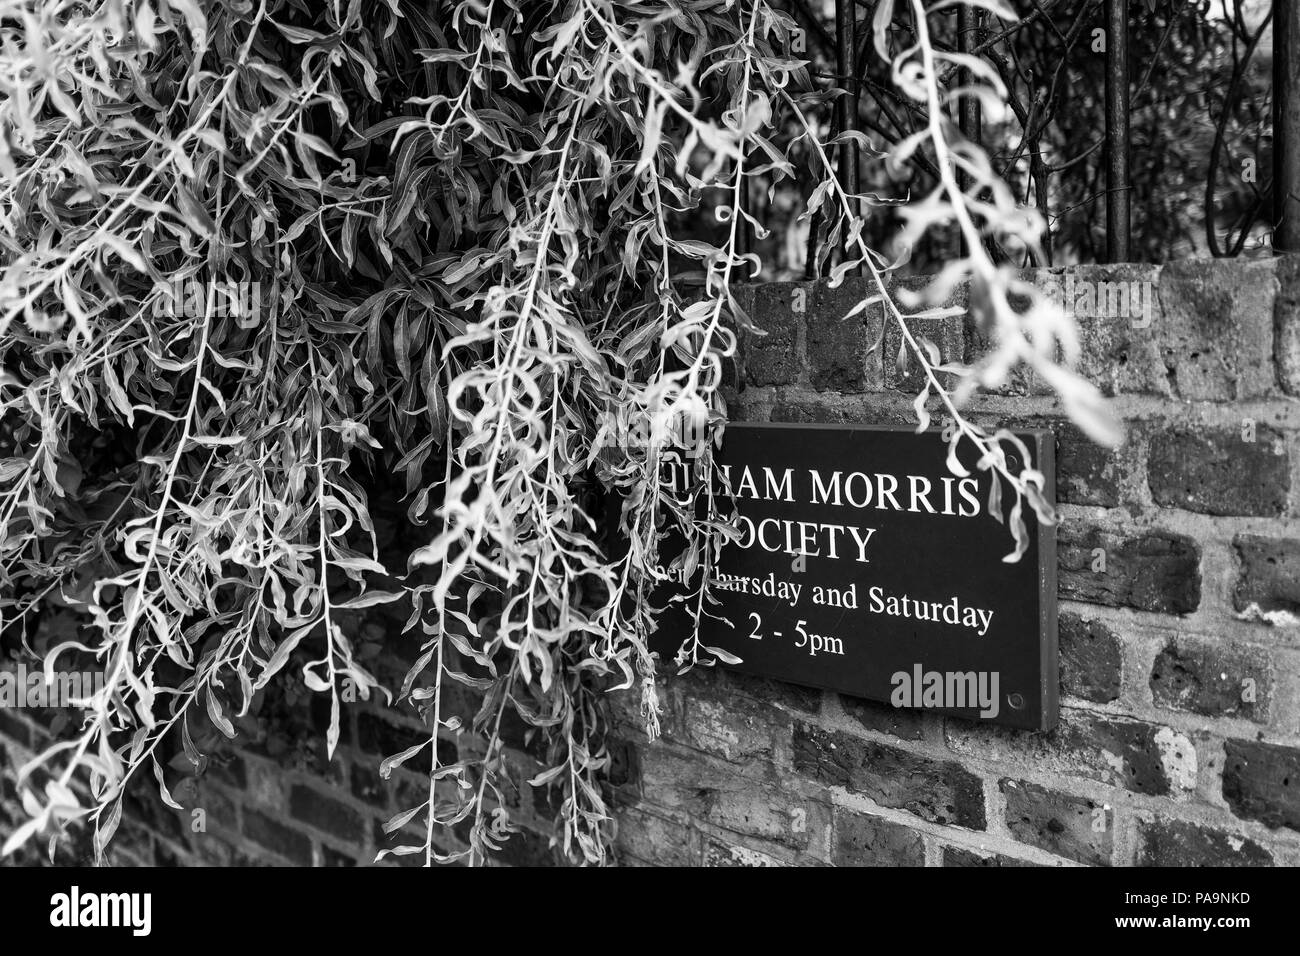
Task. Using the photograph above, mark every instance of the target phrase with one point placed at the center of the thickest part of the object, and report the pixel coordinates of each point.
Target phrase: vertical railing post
(968, 25)
(968, 118)
(1117, 132)
(1286, 126)
(846, 67)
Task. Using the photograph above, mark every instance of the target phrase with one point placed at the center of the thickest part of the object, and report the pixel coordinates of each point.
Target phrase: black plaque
(912, 583)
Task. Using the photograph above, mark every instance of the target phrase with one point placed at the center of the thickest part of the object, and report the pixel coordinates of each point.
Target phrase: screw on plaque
(1016, 701)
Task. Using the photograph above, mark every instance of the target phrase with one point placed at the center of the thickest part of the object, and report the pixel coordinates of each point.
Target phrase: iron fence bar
(846, 66)
(1117, 133)
(1286, 126)
(968, 26)
(968, 119)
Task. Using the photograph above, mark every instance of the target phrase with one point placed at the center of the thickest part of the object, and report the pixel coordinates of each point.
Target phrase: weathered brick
(292, 845)
(736, 729)
(822, 411)
(837, 347)
(1119, 344)
(1134, 754)
(1086, 473)
(326, 814)
(625, 711)
(960, 856)
(724, 684)
(1119, 751)
(865, 840)
(1286, 324)
(1178, 843)
(1270, 573)
(811, 411)
(773, 359)
(806, 700)
(657, 840)
(1215, 471)
(903, 724)
(1091, 659)
(1145, 570)
(1216, 328)
(1073, 827)
(940, 791)
(1209, 678)
(754, 800)
(770, 814)
(1262, 782)
(720, 853)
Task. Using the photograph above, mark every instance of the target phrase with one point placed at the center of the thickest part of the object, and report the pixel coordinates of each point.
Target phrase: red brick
(1261, 782)
(1209, 678)
(720, 853)
(940, 791)
(865, 840)
(837, 347)
(1270, 573)
(1073, 827)
(774, 358)
(1091, 658)
(1216, 471)
(1144, 570)
(1178, 843)
(1137, 755)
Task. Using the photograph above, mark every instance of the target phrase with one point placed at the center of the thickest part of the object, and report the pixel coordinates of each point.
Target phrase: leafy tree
(259, 257)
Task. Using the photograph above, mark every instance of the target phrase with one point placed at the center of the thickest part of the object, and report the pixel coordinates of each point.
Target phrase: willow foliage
(256, 250)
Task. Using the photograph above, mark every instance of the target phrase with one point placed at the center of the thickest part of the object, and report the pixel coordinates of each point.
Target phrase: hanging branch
(447, 246)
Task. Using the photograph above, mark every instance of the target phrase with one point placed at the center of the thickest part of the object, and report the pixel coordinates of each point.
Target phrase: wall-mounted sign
(863, 565)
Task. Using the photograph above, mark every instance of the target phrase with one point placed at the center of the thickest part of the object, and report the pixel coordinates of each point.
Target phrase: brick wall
(272, 797)
(1179, 740)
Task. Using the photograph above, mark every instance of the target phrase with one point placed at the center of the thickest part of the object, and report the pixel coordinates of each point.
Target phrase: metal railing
(1286, 126)
(1280, 197)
